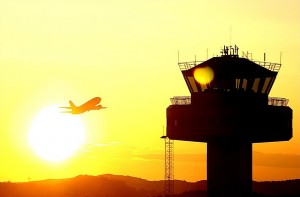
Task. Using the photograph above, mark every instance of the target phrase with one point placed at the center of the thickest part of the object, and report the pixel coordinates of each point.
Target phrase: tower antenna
(207, 53)
(230, 32)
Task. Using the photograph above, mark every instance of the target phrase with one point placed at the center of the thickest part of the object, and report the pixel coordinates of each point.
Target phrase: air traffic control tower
(229, 109)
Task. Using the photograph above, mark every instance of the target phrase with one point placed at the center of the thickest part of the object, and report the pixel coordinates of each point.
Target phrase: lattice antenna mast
(169, 167)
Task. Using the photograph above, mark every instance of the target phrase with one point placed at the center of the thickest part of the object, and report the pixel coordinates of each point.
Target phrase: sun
(55, 136)
(204, 75)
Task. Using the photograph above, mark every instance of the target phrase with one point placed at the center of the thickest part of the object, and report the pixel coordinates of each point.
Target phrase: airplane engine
(98, 107)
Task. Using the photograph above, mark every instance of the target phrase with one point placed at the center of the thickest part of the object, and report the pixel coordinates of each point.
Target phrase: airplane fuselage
(92, 104)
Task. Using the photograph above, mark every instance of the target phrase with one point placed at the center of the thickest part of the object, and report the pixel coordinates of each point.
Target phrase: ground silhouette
(125, 186)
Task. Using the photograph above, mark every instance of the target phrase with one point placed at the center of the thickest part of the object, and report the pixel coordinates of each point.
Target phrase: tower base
(229, 168)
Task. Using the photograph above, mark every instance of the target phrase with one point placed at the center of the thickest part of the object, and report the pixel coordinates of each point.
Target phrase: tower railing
(188, 65)
(268, 65)
(276, 101)
(186, 100)
(181, 100)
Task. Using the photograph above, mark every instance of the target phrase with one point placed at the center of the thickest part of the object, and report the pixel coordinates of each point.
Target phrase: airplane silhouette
(89, 105)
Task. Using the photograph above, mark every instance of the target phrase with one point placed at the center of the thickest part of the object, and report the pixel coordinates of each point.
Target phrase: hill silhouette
(126, 186)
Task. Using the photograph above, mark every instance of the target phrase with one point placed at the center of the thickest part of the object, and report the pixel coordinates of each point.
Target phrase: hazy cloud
(148, 154)
(259, 159)
(276, 160)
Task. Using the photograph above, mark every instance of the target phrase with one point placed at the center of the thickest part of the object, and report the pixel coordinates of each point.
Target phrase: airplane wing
(67, 108)
(66, 112)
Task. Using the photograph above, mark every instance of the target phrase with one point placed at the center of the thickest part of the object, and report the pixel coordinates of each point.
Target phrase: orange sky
(126, 52)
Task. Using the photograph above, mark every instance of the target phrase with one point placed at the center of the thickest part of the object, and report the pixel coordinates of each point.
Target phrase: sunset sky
(126, 52)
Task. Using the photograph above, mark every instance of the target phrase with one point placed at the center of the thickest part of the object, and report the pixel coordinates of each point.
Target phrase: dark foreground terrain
(125, 186)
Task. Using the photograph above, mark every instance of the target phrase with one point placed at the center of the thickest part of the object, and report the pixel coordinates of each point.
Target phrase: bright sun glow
(204, 75)
(55, 136)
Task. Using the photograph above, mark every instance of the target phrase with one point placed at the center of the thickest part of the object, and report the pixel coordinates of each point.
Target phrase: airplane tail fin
(73, 106)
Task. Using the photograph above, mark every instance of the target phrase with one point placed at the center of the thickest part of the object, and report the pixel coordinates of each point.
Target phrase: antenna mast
(230, 32)
(169, 166)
